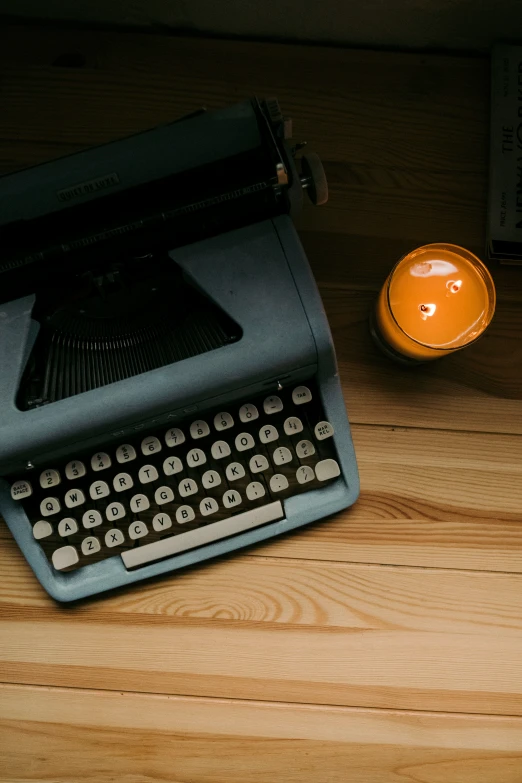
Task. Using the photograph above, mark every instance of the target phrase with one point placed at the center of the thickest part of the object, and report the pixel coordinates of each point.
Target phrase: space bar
(203, 535)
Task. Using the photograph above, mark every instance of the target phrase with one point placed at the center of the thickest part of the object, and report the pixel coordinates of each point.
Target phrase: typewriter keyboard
(177, 488)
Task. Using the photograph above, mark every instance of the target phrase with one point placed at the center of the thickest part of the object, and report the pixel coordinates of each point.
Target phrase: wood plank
(361, 262)
(376, 390)
(479, 388)
(388, 530)
(254, 589)
(475, 473)
(385, 153)
(301, 632)
(111, 736)
(439, 117)
(428, 498)
(412, 670)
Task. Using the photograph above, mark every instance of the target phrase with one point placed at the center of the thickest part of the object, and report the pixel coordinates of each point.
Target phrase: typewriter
(168, 384)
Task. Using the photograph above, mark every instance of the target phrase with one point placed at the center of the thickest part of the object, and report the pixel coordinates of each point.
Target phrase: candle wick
(427, 310)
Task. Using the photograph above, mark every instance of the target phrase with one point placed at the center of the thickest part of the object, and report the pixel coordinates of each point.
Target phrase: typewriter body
(168, 383)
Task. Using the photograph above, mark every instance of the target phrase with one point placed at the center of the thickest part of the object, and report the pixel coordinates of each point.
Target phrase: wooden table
(382, 646)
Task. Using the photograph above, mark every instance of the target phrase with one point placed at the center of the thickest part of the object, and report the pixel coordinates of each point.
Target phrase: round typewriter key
(187, 487)
(293, 425)
(74, 497)
(163, 495)
(42, 529)
(282, 455)
(248, 413)
(272, 404)
(49, 478)
(268, 433)
(258, 463)
(75, 469)
(220, 449)
(323, 430)
(67, 527)
(92, 519)
(99, 489)
(211, 478)
(301, 394)
(150, 446)
(139, 503)
(90, 545)
(231, 498)
(161, 522)
(114, 511)
(223, 421)
(114, 537)
(49, 506)
(305, 449)
(208, 506)
(196, 457)
(147, 474)
(244, 441)
(21, 490)
(100, 461)
(125, 453)
(174, 437)
(199, 429)
(235, 471)
(255, 490)
(172, 465)
(184, 514)
(122, 481)
(65, 557)
(278, 482)
(305, 474)
(327, 469)
(138, 530)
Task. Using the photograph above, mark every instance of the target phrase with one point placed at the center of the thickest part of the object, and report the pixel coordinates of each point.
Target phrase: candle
(437, 299)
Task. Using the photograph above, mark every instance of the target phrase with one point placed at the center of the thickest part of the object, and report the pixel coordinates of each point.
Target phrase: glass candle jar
(437, 299)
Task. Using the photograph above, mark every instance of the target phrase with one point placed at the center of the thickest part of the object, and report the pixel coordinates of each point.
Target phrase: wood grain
(479, 389)
(255, 589)
(298, 631)
(387, 150)
(428, 498)
(408, 601)
(155, 738)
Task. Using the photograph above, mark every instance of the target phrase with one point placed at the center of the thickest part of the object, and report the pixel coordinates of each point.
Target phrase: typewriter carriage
(99, 264)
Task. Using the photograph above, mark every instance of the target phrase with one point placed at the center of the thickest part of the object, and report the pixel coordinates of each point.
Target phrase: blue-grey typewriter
(168, 383)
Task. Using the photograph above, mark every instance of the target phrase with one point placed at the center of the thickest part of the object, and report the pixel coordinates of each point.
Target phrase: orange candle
(437, 299)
